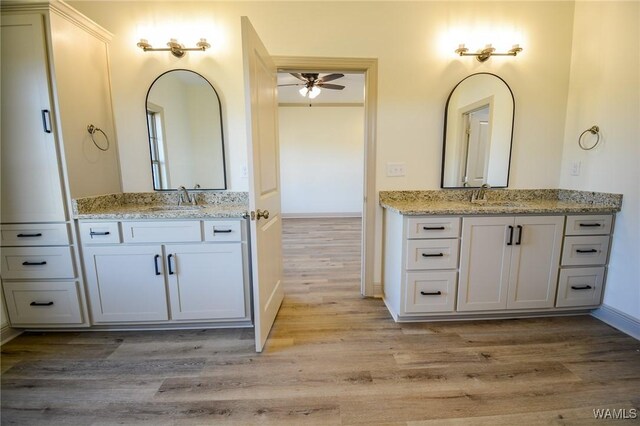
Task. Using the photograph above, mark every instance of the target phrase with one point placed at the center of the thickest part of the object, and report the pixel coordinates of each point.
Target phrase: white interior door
(264, 181)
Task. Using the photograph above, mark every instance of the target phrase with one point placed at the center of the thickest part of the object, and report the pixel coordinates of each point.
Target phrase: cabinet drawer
(433, 227)
(49, 234)
(161, 231)
(37, 262)
(100, 232)
(30, 303)
(580, 287)
(222, 230)
(432, 254)
(430, 292)
(588, 250)
(589, 225)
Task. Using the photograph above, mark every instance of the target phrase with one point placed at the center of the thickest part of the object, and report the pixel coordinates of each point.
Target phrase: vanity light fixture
(488, 51)
(176, 49)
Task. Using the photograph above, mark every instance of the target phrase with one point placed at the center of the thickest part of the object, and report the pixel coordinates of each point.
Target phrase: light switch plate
(575, 168)
(396, 169)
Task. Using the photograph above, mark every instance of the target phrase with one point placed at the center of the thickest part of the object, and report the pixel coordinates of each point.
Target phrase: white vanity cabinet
(32, 183)
(166, 272)
(509, 262)
(585, 254)
(421, 261)
(55, 76)
(507, 265)
(126, 283)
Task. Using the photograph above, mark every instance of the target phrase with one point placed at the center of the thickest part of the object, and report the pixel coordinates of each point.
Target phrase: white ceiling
(352, 93)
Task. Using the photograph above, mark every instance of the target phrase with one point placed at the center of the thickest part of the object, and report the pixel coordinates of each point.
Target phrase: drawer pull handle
(41, 304)
(46, 121)
(433, 228)
(431, 293)
(586, 225)
(39, 234)
(222, 231)
(34, 263)
(432, 254)
(171, 272)
(92, 233)
(587, 251)
(510, 242)
(581, 287)
(155, 261)
(520, 229)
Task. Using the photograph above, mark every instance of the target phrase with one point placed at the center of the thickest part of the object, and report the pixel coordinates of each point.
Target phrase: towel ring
(594, 130)
(91, 129)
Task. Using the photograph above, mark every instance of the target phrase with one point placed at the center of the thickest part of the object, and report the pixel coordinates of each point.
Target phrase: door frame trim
(369, 66)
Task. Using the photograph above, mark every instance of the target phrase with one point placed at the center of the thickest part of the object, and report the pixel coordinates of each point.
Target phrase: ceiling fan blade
(292, 84)
(330, 86)
(330, 77)
(298, 76)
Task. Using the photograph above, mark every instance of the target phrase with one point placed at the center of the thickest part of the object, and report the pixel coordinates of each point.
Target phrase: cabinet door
(30, 175)
(535, 260)
(484, 263)
(126, 284)
(206, 281)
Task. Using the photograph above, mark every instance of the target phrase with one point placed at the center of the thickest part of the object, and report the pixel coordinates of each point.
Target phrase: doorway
(367, 68)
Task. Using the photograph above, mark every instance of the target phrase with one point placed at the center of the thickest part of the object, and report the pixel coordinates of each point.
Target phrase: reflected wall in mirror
(478, 129)
(184, 120)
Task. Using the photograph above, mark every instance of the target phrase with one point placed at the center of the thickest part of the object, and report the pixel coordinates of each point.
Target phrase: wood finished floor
(332, 358)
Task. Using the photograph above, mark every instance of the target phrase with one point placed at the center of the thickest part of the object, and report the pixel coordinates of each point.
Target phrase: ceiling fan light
(303, 91)
(313, 92)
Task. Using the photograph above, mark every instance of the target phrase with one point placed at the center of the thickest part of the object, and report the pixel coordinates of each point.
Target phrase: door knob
(260, 213)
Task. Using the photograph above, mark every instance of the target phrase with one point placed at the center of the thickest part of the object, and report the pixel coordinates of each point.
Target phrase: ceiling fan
(313, 82)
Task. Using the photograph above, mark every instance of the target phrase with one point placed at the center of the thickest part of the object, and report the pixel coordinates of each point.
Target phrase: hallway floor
(332, 358)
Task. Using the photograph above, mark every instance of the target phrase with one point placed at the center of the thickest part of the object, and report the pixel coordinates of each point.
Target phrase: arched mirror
(478, 130)
(184, 119)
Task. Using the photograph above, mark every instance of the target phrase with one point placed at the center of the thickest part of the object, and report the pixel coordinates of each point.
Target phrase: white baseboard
(7, 334)
(377, 290)
(618, 319)
(320, 215)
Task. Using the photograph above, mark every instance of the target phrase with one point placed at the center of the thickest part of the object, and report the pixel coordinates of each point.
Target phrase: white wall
(321, 159)
(605, 91)
(82, 84)
(414, 44)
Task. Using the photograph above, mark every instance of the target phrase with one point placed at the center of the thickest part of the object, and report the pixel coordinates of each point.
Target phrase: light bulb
(303, 91)
(315, 91)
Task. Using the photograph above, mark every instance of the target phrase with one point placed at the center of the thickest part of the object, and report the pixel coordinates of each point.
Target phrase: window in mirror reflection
(184, 121)
(478, 132)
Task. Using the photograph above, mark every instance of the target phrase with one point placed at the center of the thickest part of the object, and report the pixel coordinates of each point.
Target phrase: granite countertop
(161, 205)
(500, 201)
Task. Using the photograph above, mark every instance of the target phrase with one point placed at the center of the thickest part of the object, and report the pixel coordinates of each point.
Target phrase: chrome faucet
(185, 197)
(480, 195)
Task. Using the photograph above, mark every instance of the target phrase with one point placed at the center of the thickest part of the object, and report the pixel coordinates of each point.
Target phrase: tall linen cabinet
(55, 83)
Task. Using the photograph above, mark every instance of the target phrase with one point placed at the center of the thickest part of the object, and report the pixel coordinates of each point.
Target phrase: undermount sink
(499, 204)
(164, 207)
